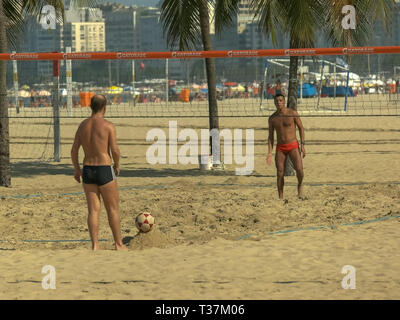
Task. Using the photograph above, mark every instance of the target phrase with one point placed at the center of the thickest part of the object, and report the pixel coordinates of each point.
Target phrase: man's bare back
(95, 135)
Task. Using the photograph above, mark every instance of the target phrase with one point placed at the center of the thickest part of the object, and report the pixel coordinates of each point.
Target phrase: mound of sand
(153, 239)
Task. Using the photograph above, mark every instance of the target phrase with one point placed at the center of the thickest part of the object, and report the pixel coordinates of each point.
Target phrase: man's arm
(74, 156)
(114, 148)
(299, 125)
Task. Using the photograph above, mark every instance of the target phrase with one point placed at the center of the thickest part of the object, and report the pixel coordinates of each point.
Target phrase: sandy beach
(218, 235)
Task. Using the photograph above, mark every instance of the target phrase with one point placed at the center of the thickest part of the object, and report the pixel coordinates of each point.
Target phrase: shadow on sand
(32, 169)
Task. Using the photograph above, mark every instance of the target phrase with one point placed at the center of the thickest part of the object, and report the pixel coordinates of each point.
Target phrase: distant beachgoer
(278, 89)
(32, 98)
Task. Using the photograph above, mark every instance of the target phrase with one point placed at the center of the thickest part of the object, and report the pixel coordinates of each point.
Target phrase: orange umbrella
(230, 84)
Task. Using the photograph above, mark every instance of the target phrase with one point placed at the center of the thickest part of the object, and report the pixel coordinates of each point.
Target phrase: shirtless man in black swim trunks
(97, 137)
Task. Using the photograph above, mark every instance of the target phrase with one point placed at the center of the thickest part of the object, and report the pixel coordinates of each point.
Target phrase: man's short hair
(279, 95)
(98, 102)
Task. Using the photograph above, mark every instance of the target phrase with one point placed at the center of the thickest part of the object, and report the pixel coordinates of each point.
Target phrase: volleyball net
(47, 89)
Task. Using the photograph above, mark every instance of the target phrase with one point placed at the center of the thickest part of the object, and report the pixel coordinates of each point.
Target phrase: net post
(117, 72)
(133, 82)
(166, 82)
(301, 79)
(264, 85)
(56, 110)
(320, 83)
(334, 75)
(347, 89)
(109, 73)
(15, 81)
(69, 83)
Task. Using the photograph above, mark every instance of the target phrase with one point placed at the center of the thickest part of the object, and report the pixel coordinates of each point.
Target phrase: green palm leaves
(181, 22)
(16, 12)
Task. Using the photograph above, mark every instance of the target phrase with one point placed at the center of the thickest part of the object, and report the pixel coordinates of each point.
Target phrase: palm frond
(16, 12)
(272, 17)
(181, 23)
(225, 11)
(34, 7)
(14, 21)
(305, 21)
(381, 10)
(368, 12)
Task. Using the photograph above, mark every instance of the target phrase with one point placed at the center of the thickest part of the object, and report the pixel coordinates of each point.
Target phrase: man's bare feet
(300, 191)
(95, 246)
(120, 247)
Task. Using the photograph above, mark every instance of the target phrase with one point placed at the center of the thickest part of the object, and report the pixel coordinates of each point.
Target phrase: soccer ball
(144, 222)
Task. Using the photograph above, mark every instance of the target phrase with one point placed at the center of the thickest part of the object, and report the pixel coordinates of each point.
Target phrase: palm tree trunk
(5, 172)
(211, 81)
(293, 83)
(292, 99)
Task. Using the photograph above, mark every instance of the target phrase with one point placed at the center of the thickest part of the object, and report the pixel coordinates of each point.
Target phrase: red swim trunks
(286, 148)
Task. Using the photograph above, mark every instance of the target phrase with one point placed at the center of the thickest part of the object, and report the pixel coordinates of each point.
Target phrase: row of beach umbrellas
(27, 94)
(235, 87)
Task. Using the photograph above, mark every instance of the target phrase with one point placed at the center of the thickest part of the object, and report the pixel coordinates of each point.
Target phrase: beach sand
(217, 235)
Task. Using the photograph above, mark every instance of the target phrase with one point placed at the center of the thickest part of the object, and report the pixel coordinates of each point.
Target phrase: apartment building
(87, 36)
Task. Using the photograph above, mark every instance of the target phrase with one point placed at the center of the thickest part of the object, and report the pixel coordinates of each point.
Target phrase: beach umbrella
(44, 93)
(114, 90)
(146, 89)
(354, 76)
(240, 88)
(23, 94)
(230, 84)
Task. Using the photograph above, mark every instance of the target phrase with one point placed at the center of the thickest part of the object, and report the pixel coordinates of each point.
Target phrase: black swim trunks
(99, 175)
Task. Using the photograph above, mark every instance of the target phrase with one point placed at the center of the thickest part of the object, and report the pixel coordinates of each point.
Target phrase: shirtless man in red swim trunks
(284, 121)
